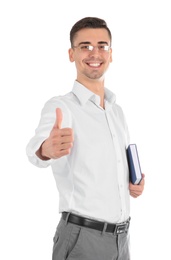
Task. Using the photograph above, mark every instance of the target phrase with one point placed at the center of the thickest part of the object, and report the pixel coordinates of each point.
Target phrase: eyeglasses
(89, 48)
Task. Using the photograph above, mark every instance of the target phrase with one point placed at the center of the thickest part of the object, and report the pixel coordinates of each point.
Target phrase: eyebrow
(100, 42)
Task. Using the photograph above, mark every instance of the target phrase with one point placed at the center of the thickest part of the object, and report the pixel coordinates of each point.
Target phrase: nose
(94, 52)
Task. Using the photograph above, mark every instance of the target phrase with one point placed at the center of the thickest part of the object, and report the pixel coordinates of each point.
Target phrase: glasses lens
(104, 48)
(87, 48)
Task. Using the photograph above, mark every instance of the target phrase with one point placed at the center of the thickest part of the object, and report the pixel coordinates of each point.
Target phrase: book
(135, 173)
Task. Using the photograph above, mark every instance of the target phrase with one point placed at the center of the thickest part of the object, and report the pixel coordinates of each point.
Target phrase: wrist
(40, 154)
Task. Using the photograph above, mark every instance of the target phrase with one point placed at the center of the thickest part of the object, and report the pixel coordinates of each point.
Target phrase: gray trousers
(73, 242)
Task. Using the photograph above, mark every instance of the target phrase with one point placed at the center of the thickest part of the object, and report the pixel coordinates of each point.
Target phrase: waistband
(117, 228)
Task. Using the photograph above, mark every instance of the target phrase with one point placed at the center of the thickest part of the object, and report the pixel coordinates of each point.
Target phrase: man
(83, 135)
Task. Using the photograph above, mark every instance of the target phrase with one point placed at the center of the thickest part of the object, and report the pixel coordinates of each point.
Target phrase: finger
(59, 117)
(66, 132)
(62, 134)
(60, 153)
(136, 188)
(66, 139)
(135, 194)
(64, 152)
(143, 175)
(65, 146)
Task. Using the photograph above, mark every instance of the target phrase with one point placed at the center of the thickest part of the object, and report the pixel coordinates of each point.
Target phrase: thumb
(59, 117)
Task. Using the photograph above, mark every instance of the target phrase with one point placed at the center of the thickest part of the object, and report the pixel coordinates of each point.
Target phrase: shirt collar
(84, 94)
(110, 96)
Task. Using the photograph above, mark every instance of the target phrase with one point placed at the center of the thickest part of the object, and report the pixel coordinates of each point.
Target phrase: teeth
(94, 64)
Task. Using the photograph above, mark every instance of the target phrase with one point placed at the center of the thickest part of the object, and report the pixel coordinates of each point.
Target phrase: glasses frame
(89, 48)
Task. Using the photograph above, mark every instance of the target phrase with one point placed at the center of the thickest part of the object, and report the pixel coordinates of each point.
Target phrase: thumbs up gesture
(59, 142)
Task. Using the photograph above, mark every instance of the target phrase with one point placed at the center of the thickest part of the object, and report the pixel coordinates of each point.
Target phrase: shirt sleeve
(42, 132)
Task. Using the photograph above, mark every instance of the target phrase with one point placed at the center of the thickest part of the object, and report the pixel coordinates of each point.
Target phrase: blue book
(135, 173)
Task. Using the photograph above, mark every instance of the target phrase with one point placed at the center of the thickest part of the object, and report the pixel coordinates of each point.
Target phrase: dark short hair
(88, 22)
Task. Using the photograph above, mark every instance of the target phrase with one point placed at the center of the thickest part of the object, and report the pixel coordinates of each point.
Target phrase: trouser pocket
(58, 250)
(93, 245)
(65, 241)
(74, 242)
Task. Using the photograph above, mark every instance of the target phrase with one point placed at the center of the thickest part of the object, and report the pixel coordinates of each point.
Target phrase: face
(93, 64)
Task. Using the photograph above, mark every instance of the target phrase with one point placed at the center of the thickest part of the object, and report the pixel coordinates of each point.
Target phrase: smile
(95, 65)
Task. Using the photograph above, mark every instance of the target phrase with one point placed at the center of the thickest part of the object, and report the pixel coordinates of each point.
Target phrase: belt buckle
(121, 228)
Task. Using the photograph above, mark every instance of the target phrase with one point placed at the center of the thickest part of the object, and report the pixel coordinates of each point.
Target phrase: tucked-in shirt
(93, 180)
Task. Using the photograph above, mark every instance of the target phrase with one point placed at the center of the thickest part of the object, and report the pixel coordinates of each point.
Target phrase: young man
(83, 136)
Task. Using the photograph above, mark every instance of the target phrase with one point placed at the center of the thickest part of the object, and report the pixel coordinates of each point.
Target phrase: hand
(60, 141)
(137, 190)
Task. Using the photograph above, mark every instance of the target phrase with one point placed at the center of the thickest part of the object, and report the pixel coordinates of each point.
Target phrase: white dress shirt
(93, 179)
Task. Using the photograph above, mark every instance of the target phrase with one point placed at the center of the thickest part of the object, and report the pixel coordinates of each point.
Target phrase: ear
(111, 59)
(71, 55)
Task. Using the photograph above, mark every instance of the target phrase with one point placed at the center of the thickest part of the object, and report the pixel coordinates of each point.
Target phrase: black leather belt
(97, 225)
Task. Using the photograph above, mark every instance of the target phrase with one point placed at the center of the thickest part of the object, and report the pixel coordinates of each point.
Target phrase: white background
(34, 66)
